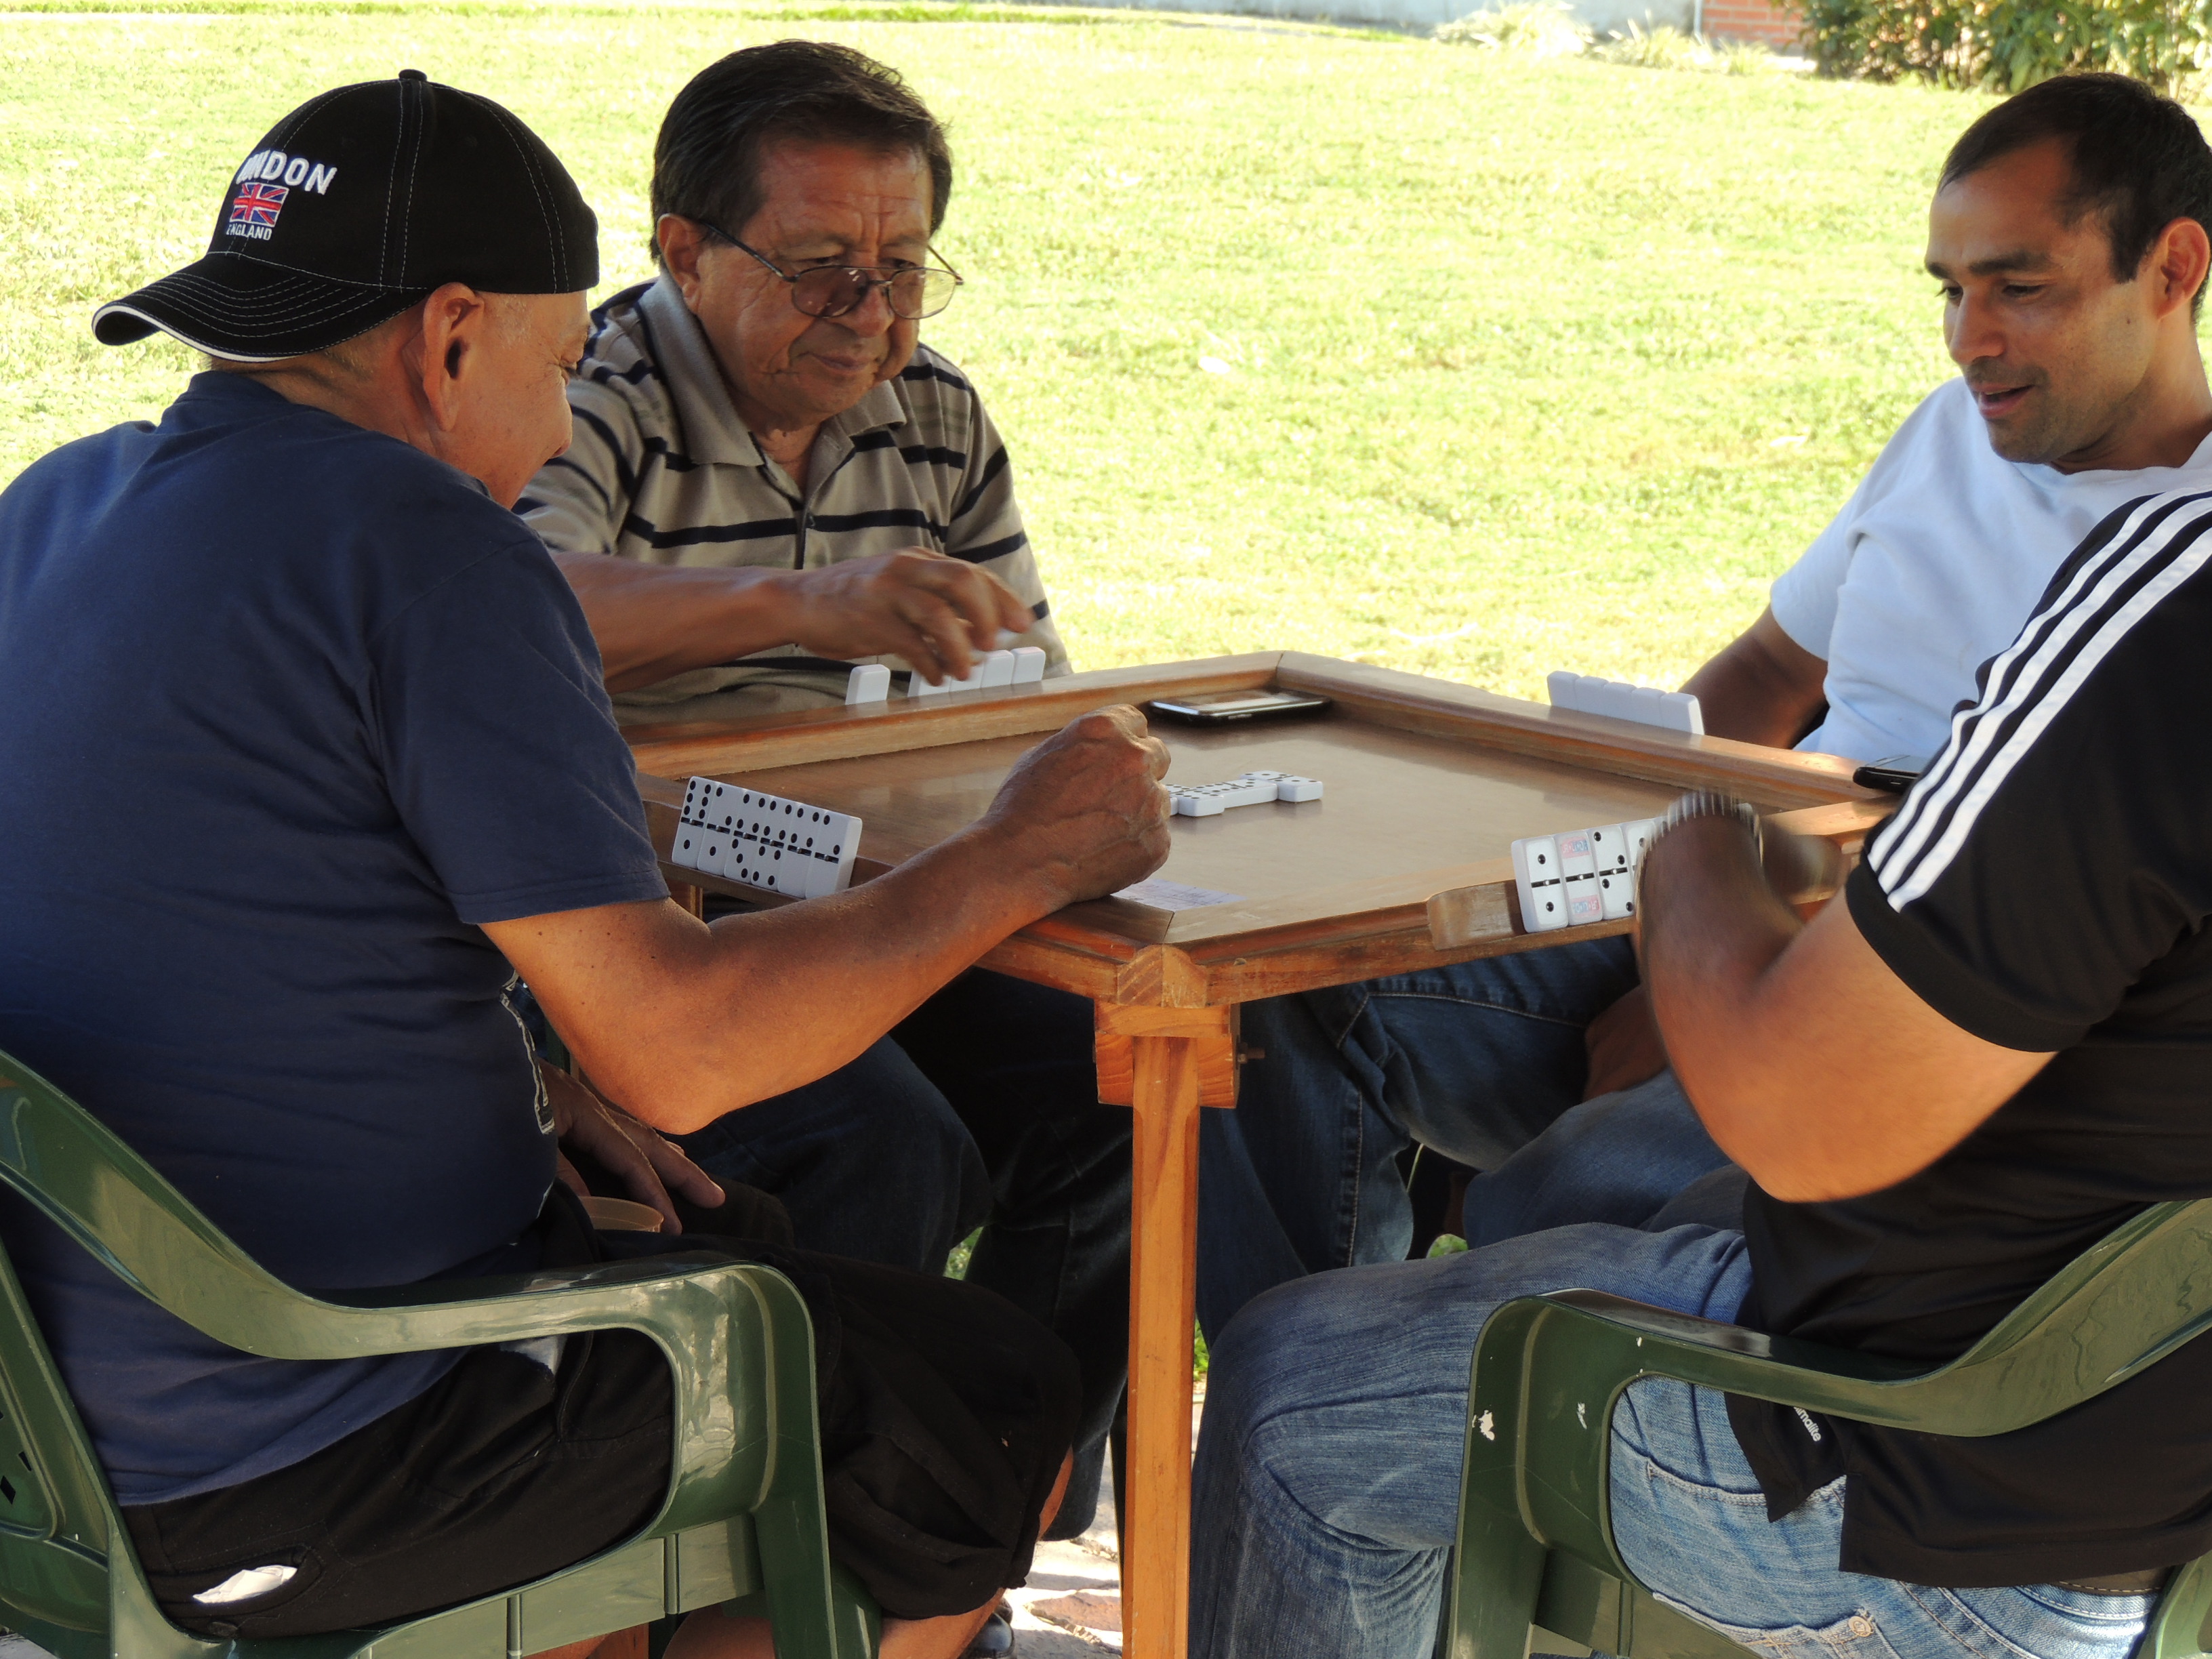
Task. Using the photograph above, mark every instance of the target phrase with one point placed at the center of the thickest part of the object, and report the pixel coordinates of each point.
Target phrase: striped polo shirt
(663, 471)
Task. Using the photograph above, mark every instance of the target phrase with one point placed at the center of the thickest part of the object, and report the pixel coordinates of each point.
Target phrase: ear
(681, 241)
(454, 318)
(2178, 262)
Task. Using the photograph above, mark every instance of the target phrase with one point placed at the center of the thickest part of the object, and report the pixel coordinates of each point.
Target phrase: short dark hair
(2138, 161)
(706, 162)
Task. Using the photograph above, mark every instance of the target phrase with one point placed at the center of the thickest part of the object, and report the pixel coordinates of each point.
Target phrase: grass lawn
(1527, 366)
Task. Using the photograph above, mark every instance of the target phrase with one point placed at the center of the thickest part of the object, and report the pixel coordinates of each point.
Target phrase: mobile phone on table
(1895, 773)
(1221, 707)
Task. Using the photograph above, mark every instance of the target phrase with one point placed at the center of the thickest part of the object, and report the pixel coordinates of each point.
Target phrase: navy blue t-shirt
(291, 708)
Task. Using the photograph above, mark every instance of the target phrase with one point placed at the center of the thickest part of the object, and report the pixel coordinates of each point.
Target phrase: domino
(997, 669)
(1536, 874)
(1581, 877)
(1586, 694)
(870, 682)
(685, 848)
(1028, 664)
(1578, 877)
(1208, 800)
(764, 840)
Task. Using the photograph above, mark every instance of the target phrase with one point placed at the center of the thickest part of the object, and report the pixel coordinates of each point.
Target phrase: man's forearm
(655, 621)
(1809, 1061)
(1710, 929)
(1763, 687)
(703, 1020)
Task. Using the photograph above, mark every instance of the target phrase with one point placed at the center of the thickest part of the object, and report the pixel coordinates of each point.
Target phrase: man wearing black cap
(358, 773)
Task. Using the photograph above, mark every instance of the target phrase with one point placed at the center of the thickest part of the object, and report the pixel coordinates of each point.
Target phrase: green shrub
(2002, 45)
(1534, 28)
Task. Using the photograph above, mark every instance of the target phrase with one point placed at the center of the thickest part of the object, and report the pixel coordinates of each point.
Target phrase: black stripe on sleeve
(568, 465)
(991, 469)
(989, 551)
(623, 477)
(1041, 610)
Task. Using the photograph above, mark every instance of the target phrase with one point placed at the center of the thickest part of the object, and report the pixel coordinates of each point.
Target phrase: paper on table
(1174, 896)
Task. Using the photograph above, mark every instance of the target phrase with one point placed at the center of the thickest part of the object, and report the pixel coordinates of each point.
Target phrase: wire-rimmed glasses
(912, 291)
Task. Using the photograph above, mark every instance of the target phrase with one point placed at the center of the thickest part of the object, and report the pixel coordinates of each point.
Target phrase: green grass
(1520, 355)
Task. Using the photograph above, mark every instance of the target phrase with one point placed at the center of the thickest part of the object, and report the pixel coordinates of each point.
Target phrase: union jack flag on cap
(257, 204)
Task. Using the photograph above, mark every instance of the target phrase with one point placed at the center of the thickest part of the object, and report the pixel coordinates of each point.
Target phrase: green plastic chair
(1535, 1541)
(744, 1522)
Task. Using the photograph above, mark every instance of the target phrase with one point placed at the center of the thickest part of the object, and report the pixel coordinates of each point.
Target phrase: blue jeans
(1328, 1481)
(1478, 1061)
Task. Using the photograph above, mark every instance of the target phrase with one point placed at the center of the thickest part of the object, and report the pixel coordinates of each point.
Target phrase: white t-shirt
(1931, 568)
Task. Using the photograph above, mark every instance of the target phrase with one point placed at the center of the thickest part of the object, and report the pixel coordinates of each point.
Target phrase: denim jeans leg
(1016, 1062)
(870, 1161)
(1329, 1467)
(1691, 1522)
(1621, 1158)
(1474, 1059)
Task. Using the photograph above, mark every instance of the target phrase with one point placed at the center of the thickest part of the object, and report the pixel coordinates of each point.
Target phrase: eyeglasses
(912, 291)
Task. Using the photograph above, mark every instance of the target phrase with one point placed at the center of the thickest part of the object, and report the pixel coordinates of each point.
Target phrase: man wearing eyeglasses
(773, 479)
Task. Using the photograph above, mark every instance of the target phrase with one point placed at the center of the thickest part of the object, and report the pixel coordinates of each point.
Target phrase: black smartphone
(1220, 707)
(1895, 773)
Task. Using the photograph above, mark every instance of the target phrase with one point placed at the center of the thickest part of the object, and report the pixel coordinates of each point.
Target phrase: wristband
(1701, 804)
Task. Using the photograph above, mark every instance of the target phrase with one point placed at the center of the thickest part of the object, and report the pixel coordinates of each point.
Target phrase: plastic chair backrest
(744, 1517)
(1548, 1372)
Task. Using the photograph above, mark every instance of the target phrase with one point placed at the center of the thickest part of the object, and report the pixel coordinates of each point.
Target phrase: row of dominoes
(1586, 694)
(1024, 666)
(764, 840)
(1205, 801)
(1584, 876)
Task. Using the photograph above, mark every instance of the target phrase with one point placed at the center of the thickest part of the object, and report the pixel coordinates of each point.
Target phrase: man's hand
(647, 1166)
(1084, 812)
(939, 613)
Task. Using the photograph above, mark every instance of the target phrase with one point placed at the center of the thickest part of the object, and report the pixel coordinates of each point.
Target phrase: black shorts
(946, 1413)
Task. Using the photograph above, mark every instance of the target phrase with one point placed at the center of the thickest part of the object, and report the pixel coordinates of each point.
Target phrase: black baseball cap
(356, 206)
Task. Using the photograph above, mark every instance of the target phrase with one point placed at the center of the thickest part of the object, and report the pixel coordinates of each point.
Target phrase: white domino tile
(997, 669)
(1028, 664)
(1587, 694)
(1536, 873)
(1582, 877)
(1206, 800)
(765, 841)
(870, 682)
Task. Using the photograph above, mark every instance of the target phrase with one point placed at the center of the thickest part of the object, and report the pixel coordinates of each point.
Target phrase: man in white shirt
(2082, 388)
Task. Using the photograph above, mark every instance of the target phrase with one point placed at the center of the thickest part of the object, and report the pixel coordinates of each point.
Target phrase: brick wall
(1774, 24)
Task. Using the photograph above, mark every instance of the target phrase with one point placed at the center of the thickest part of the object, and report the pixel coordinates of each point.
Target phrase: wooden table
(1405, 864)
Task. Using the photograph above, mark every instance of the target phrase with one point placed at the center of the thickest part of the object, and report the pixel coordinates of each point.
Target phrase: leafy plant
(2002, 45)
(1532, 28)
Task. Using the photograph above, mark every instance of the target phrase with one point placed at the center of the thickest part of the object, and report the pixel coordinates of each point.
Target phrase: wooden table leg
(1169, 1061)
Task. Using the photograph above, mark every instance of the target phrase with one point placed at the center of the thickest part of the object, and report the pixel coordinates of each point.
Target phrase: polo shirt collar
(712, 431)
